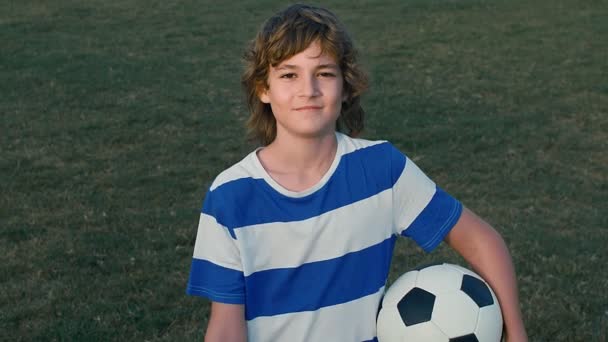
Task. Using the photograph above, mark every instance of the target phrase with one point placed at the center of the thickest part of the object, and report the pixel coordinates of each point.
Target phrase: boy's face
(305, 93)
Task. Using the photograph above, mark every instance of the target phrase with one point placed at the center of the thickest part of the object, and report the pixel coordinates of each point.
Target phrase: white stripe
(347, 322)
(347, 229)
(413, 192)
(242, 169)
(214, 243)
(353, 144)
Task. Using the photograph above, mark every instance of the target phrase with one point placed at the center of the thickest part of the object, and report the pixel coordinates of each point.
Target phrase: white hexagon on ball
(489, 325)
(455, 324)
(427, 331)
(390, 326)
(439, 279)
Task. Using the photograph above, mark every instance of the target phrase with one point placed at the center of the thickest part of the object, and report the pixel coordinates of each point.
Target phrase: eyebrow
(321, 66)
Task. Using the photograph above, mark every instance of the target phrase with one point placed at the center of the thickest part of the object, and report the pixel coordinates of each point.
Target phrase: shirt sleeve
(422, 211)
(216, 271)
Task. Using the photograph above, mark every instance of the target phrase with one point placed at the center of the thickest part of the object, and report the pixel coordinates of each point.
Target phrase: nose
(310, 87)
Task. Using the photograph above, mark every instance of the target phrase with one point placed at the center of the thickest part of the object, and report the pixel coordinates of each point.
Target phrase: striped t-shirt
(312, 265)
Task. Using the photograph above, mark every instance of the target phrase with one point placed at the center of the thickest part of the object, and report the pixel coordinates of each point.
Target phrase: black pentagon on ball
(416, 306)
(477, 290)
(465, 338)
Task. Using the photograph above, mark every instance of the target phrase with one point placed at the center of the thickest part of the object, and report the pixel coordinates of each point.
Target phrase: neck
(298, 153)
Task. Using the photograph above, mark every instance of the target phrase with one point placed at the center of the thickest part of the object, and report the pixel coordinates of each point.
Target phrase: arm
(482, 247)
(227, 323)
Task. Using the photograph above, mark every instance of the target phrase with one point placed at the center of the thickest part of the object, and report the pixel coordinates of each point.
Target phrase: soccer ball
(439, 303)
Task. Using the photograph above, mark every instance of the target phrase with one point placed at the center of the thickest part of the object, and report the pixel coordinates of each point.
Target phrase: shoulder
(231, 191)
(235, 185)
(244, 169)
(351, 144)
(376, 157)
(371, 150)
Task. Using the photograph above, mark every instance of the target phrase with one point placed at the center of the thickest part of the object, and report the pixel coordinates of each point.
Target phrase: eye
(289, 75)
(327, 74)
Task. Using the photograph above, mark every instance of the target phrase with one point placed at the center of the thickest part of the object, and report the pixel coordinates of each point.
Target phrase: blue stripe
(319, 284)
(435, 221)
(219, 284)
(359, 175)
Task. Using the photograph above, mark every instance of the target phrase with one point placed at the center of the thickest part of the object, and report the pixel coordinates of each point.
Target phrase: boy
(295, 241)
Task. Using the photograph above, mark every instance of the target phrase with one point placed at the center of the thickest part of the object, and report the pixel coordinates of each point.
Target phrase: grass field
(117, 115)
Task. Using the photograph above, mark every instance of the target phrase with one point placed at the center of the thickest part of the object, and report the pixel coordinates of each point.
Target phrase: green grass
(116, 116)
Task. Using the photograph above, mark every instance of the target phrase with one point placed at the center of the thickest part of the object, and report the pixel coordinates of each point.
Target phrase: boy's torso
(324, 254)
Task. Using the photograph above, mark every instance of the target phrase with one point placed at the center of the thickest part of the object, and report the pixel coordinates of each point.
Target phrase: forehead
(313, 54)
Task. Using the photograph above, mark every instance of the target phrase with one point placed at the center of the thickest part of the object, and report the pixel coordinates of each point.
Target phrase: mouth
(305, 108)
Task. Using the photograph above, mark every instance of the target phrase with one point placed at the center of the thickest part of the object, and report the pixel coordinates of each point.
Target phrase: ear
(263, 94)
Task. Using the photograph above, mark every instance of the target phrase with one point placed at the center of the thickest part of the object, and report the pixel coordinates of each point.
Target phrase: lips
(308, 108)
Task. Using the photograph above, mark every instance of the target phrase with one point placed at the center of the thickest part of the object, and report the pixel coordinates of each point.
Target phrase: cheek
(340, 95)
(281, 99)
(340, 91)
